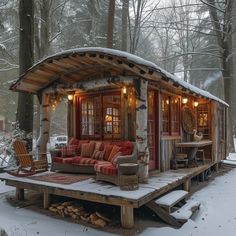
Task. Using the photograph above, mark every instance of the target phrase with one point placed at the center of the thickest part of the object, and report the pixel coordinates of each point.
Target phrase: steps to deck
(173, 207)
(171, 199)
(186, 211)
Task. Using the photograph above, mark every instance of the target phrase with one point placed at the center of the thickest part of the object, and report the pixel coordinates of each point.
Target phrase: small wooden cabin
(115, 95)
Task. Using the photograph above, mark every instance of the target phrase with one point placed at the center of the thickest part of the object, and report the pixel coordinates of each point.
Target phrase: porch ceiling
(80, 65)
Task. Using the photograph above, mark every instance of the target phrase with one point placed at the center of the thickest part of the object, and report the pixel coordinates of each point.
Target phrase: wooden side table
(128, 178)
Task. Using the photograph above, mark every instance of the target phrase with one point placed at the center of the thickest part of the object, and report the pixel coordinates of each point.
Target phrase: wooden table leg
(46, 199)
(127, 216)
(192, 155)
(187, 185)
(20, 194)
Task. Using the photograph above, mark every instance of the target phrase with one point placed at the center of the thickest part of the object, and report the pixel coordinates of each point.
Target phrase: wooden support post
(46, 199)
(187, 185)
(216, 167)
(20, 194)
(127, 217)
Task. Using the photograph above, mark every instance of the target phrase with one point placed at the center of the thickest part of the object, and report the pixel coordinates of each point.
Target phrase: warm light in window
(184, 100)
(195, 103)
(108, 118)
(70, 97)
(124, 90)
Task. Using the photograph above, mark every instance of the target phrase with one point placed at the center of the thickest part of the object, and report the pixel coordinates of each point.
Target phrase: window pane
(112, 117)
(165, 107)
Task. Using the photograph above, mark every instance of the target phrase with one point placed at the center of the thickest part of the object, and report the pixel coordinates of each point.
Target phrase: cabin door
(153, 124)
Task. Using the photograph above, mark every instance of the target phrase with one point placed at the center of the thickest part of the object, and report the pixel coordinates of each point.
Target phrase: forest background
(193, 39)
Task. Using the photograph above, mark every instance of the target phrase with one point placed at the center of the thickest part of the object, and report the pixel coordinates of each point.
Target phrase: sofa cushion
(85, 161)
(87, 149)
(113, 152)
(107, 150)
(106, 168)
(57, 159)
(68, 160)
(68, 151)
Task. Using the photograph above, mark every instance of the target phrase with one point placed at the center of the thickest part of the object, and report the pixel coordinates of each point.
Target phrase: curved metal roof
(82, 64)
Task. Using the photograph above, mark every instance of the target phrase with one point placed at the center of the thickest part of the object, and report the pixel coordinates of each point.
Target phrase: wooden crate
(128, 182)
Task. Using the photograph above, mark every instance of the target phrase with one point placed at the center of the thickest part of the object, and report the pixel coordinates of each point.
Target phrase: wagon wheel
(188, 120)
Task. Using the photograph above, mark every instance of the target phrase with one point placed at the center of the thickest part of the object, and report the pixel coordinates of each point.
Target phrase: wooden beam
(20, 193)
(46, 199)
(127, 217)
(163, 214)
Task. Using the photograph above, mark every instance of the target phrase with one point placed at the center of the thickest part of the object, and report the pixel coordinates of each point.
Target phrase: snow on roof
(137, 60)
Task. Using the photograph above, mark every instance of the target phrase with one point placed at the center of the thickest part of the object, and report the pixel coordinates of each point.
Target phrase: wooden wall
(167, 146)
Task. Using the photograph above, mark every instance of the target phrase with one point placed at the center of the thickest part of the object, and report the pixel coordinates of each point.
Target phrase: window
(165, 107)
(175, 115)
(101, 116)
(170, 107)
(112, 116)
(203, 113)
(90, 117)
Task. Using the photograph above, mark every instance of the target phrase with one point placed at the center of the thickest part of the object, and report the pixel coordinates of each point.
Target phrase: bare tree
(110, 26)
(224, 40)
(26, 57)
(125, 12)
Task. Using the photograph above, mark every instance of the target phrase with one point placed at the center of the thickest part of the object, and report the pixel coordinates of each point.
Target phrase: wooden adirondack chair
(27, 164)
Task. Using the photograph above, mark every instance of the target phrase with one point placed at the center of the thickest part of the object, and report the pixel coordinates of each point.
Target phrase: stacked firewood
(77, 212)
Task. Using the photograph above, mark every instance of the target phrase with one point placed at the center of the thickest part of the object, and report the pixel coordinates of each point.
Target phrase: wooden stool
(202, 157)
(181, 159)
(129, 182)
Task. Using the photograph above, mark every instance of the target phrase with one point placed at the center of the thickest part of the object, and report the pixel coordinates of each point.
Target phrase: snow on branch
(210, 5)
(6, 65)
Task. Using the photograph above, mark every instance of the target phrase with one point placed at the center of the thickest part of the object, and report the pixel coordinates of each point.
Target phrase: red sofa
(89, 157)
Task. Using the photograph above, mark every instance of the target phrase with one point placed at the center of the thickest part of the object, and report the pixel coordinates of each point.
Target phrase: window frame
(170, 110)
(100, 121)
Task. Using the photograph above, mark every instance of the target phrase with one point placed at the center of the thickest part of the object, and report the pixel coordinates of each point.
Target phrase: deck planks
(101, 192)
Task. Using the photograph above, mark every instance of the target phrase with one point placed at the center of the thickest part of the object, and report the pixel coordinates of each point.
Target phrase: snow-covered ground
(217, 215)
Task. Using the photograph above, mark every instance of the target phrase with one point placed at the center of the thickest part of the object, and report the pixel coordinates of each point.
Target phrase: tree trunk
(135, 36)
(110, 26)
(44, 124)
(225, 46)
(42, 43)
(26, 51)
(125, 12)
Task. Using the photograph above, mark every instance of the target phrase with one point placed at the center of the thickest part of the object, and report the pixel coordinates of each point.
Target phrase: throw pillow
(114, 160)
(114, 150)
(87, 149)
(127, 148)
(68, 151)
(98, 146)
(74, 141)
(98, 155)
(107, 150)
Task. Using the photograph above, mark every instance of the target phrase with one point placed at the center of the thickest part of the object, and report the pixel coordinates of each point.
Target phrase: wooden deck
(106, 193)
